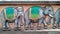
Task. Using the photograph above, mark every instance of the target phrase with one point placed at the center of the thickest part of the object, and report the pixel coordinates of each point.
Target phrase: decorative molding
(29, 2)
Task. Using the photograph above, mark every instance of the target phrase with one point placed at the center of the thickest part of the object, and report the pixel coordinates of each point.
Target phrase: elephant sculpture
(34, 17)
(49, 15)
(8, 16)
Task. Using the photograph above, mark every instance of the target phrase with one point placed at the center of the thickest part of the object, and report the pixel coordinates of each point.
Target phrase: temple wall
(55, 7)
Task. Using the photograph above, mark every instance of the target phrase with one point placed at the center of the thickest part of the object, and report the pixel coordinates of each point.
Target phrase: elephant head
(49, 11)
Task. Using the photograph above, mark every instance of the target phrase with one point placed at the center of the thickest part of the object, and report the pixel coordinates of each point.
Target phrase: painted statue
(8, 16)
(34, 17)
(49, 14)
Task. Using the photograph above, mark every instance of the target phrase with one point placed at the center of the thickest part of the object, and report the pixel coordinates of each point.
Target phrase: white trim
(42, 30)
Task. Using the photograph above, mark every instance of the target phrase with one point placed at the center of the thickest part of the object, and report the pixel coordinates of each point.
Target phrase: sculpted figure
(49, 14)
(8, 16)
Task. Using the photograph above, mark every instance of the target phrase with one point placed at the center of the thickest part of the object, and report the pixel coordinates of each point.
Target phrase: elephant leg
(55, 24)
(3, 24)
(6, 26)
(50, 21)
(20, 24)
(41, 23)
(59, 25)
(15, 24)
(29, 24)
(45, 24)
(11, 24)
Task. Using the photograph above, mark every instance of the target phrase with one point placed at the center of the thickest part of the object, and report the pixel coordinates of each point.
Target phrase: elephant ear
(9, 13)
(46, 11)
(34, 12)
(49, 10)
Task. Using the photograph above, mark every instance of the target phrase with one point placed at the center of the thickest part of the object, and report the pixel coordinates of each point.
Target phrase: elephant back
(9, 13)
(34, 12)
